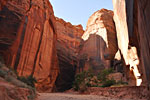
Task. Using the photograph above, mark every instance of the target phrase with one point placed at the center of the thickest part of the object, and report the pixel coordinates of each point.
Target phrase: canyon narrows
(33, 42)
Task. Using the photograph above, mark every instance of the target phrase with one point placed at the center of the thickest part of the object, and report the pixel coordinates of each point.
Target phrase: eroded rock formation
(141, 29)
(68, 41)
(131, 19)
(100, 42)
(27, 40)
(34, 42)
(11, 92)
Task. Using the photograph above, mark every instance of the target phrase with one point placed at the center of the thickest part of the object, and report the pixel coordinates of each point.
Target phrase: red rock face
(143, 17)
(100, 44)
(30, 46)
(134, 16)
(126, 93)
(3, 2)
(68, 41)
(29, 43)
(12, 92)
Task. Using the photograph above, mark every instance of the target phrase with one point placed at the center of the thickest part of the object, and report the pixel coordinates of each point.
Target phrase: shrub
(104, 73)
(88, 79)
(3, 73)
(83, 86)
(82, 80)
(30, 80)
(1, 59)
(108, 83)
(2, 64)
(79, 78)
(103, 77)
(120, 83)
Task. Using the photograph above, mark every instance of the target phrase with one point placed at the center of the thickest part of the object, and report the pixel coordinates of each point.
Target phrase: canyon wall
(28, 40)
(100, 42)
(142, 30)
(35, 42)
(131, 19)
(68, 41)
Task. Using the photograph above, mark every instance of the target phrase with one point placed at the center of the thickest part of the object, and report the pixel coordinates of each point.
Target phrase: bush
(103, 76)
(108, 83)
(121, 82)
(3, 73)
(30, 80)
(88, 79)
(104, 73)
(83, 86)
(1, 59)
(82, 80)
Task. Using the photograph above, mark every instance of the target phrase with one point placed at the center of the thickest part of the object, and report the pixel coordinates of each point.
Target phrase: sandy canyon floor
(66, 96)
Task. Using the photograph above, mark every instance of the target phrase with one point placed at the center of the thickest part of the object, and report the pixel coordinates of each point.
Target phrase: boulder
(116, 76)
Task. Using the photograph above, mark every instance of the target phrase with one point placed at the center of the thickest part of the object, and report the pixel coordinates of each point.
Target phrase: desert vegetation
(87, 79)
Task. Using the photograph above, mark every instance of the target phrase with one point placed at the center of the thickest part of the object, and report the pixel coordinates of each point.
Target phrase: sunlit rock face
(134, 36)
(120, 18)
(68, 41)
(121, 26)
(27, 39)
(100, 42)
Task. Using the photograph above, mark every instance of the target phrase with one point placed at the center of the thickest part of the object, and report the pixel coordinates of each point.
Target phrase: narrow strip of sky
(78, 11)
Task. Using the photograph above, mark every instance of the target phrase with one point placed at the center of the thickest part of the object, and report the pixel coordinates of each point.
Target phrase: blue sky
(78, 11)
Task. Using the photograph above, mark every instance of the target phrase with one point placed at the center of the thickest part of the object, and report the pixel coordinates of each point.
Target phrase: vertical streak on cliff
(21, 44)
(30, 39)
(143, 16)
(130, 10)
(30, 5)
(39, 46)
(29, 44)
(52, 25)
(98, 43)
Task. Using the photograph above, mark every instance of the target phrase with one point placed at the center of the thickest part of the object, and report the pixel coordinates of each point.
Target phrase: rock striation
(39, 44)
(35, 42)
(100, 41)
(141, 30)
(67, 45)
(131, 19)
(29, 44)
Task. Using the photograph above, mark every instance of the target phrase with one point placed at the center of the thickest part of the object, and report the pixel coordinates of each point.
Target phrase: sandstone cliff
(131, 19)
(34, 42)
(100, 41)
(68, 41)
(27, 40)
(11, 92)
